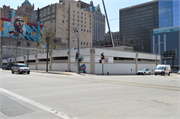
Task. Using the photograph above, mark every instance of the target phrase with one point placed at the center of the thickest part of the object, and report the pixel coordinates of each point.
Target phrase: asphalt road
(58, 96)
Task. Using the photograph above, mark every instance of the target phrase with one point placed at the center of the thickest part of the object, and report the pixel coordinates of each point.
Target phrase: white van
(163, 69)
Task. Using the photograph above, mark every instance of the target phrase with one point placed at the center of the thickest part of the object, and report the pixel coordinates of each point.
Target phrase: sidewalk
(62, 73)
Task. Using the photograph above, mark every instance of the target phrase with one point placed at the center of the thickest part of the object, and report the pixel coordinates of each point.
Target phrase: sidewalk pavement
(61, 72)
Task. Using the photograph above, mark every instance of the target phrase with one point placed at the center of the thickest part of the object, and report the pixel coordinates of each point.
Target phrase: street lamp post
(156, 51)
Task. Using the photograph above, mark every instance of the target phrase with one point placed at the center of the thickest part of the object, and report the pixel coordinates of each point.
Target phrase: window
(84, 26)
(85, 14)
(78, 16)
(81, 25)
(89, 15)
(77, 24)
(81, 43)
(73, 19)
(77, 20)
(18, 43)
(90, 24)
(90, 27)
(84, 30)
(81, 21)
(73, 15)
(84, 43)
(78, 12)
(85, 18)
(87, 30)
(73, 23)
(90, 31)
(74, 11)
(81, 13)
(89, 19)
(62, 21)
(81, 30)
(87, 43)
(28, 44)
(81, 17)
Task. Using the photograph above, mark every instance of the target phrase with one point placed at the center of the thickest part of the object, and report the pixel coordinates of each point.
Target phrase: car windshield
(22, 66)
(143, 69)
(160, 68)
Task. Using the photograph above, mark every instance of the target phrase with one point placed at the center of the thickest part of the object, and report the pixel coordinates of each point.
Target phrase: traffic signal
(102, 56)
(77, 55)
(100, 61)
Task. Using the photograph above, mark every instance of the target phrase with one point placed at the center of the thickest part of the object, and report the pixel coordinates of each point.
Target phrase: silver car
(144, 71)
(20, 68)
(179, 72)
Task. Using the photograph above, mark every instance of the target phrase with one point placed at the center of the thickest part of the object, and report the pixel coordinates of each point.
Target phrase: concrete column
(69, 60)
(92, 61)
(36, 61)
(25, 60)
(136, 62)
(50, 66)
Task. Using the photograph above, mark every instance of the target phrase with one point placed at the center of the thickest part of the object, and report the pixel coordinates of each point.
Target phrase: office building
(166, 39)
(98, 22)
(79, 18)
(169, 13)
(137, 23)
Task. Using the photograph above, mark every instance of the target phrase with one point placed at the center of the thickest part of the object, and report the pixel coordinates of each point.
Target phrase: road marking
(36, 104)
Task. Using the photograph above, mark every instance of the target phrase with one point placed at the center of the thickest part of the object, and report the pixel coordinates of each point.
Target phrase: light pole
(77, 30)
(156, 51)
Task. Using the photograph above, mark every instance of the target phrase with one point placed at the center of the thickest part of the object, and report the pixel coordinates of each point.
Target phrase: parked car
(8, 67)
(162, 70)
(179, 72)
(3, 67)
(144, 71)
(20, 68)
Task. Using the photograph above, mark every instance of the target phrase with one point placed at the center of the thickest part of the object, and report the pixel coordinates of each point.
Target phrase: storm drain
(11, 108)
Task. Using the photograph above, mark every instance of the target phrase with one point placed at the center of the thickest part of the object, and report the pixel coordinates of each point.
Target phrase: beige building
(6, 11)
(79, 18)
(25, 10)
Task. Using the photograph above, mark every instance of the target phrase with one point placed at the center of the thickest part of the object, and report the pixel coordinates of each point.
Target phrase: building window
(62, 21)
(81, 17)
(90, 27)
(81, 25)
(90, 19)
(81, 29)
(89, 15)
(90, 23)
(85, 22)
(78, 16)
(18, 43)
(81, 21)
(74, 11)
(85, 18)
(28, 44)
(87, 30)
(77, 4)
(87, 43)
(77, 24)
(84, 43)
(73, 23)
(84, 30)
(85, 14)
(73, 19)
(73, 15)
(90, 31)
(84, 26)
(81, 13)
(77, 20)
(78, 12)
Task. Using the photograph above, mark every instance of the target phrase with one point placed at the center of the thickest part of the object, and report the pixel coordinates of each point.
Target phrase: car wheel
(12, 72)
(28, 72)
(169, 74)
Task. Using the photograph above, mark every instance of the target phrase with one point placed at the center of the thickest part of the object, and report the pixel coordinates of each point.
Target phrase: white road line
(36, 104)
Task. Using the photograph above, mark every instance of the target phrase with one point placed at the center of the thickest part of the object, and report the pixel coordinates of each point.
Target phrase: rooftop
(27, 3)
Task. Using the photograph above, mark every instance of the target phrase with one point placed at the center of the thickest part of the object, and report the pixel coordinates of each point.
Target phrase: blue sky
(112, 7)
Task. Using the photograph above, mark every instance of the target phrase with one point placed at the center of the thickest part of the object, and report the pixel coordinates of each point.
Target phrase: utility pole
(78, 63)
(108, 23)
